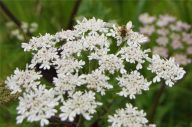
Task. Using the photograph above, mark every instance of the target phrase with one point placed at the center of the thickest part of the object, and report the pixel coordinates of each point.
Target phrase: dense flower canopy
(86, 59)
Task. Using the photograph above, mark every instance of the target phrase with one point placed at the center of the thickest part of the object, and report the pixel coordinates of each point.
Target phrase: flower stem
(79, 120)
(9, 14)
(156, 101)
(73, 14)
(12, 17)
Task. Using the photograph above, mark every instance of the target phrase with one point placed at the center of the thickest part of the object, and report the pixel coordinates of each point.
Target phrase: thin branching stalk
(73, 14)
(155, 103)
(9, 14)
(39, 7)
(12, 17)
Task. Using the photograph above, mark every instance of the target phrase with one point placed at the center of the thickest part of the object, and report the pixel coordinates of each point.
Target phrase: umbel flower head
(89, 60)
(129, 117)
(172, 37)
(38, 104)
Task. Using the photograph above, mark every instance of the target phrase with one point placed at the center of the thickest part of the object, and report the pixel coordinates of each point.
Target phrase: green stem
(79, 121)
(156, 101)
(12, 17)
(73, 14)
(9, 14)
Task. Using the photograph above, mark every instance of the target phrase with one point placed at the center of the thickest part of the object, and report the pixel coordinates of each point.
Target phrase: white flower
(162, 41)
(132, 84)
(182, 26)
(72, 47)
(176, 44)
(187, 38)
(24, 27)
(166, 69)
(22, 79)
(68, 35)
(133, 55)
(79, 103)
(68, 66)
(9, 24)
(93, 25)
(182, 59)
(175, 36)
(15, 32)
(37, 43)
(146, 19)
(18, 34)
(135, 39)
(162, 51)
(111, 63)
(63, 85)
(67, 83)
(92, 42)
(33, 27)
(128, 117)
(163, 31)
(37, 105)
(189, 50)
(164, 20)
(44, 57)
(97, 81)
(147, 30)
(98, 53)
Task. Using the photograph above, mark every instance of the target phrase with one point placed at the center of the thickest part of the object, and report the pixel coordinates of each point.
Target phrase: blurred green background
(175, 109)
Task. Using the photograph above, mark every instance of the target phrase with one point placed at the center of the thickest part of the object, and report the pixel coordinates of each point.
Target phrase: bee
(124, 30)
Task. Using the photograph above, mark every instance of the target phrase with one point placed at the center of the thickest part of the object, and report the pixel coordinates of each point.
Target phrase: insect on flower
(124, 30)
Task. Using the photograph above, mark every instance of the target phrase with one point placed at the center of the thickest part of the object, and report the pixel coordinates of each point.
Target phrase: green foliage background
(175, 108)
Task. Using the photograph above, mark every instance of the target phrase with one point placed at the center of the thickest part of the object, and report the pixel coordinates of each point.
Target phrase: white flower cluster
(132, 84)
(133, 55)
(38, 104)
(171, 36)
(79, 104)
(87, 60)
(23, 80)
(25, 28)
(129, 117)
(97, 81)
(166, 69)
